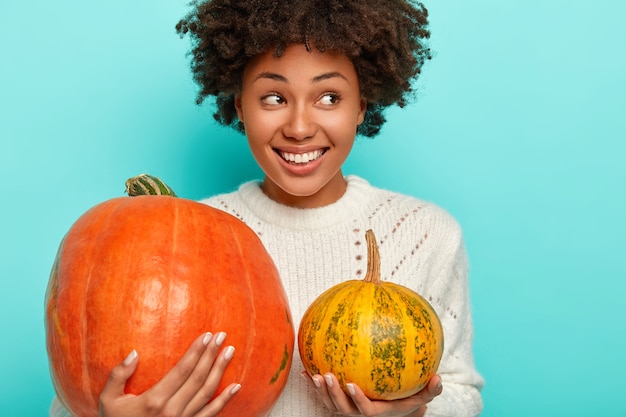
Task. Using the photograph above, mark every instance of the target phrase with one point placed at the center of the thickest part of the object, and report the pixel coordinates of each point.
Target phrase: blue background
(518, 131)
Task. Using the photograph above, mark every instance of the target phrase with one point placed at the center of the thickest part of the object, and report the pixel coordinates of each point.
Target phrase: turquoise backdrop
(519, 131)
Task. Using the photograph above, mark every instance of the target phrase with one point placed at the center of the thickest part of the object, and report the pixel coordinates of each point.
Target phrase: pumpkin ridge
(388, 342)
(93, 384)
(283, 365)
(423, 324)
(175, 291)
(352, 292)
(354, 322)
(336, 339)
(52, 294)
(251, 331)
(330, 334)
(314, 321)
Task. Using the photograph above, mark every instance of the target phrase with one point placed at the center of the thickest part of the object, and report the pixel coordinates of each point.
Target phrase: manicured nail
(207, 338)
(439, 387)
(316, 382)
(234, 389)
(219, 339)
(229, 352)
(329, 380)
(305, 376)
(351, 389)
(130, 358)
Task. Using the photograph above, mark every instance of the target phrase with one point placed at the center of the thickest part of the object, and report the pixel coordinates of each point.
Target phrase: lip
(302, 168)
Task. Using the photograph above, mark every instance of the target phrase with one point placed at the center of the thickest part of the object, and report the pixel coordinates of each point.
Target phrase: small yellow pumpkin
(382, 336)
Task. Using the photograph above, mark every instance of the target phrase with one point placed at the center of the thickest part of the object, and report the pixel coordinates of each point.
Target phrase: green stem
(145, 184)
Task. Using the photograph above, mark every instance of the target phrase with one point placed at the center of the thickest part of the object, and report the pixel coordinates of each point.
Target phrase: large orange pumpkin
(382, 336)
(152, 273)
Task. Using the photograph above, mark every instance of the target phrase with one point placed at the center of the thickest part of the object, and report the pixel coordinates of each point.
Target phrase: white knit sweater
(421, 247)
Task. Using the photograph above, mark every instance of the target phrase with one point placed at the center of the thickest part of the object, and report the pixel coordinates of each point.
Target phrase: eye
(273, 99)
(329, 99)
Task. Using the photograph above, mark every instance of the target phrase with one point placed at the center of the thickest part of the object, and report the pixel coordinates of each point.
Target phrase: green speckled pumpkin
(382, 336)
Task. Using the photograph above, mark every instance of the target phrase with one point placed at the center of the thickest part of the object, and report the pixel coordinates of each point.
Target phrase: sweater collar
(355, 199)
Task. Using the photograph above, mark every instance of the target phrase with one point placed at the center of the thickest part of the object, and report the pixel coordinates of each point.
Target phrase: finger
(319, 384)
(187, 398)
(435, 385)
(362, 403)
(312, 381)
(342, 402)
(415, 404)
(432, 389)
(216, 373)
(219, 402)
(203, 393)
(116, 383)
(176, 377)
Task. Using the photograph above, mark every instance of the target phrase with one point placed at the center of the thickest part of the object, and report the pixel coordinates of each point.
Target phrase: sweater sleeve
(449, 295)
(57, 409)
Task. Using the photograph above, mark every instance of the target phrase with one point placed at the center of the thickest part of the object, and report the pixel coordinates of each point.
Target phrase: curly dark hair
(385, 39)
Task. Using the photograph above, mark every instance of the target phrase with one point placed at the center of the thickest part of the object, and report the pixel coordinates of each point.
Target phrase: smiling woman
(301, 78)
(518, 130)
(300, 112)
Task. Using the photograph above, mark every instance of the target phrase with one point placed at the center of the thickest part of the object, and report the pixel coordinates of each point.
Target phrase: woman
(301, 79)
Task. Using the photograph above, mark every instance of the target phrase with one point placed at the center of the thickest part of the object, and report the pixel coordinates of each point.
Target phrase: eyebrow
(328, 75)
(316, 79)
(270, 76)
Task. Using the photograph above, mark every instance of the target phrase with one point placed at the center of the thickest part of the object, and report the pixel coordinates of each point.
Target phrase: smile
(301, 158)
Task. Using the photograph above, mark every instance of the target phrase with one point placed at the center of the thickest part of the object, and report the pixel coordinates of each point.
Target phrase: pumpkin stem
(373, 259)
(145, 184)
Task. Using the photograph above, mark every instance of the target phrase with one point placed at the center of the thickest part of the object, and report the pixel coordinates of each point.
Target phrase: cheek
(259, 135)
(343, 126)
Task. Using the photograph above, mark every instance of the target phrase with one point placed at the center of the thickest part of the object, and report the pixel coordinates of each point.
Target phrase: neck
(328, 194)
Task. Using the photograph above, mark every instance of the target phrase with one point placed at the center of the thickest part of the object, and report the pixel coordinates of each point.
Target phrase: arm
(57, 409)
(449, 294)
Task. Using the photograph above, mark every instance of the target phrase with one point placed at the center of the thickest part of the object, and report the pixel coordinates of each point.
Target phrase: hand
(184, 391)
(357, 403)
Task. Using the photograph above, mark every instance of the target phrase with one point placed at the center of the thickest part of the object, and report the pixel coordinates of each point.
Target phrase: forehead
(297, 61)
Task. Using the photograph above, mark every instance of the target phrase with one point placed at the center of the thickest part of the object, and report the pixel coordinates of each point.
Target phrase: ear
(238, 107)
(362, 109)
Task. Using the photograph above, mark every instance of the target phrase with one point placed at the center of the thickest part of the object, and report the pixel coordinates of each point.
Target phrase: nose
(300, 124)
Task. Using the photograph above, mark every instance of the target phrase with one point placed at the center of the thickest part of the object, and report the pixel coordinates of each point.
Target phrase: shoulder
(412, 213)
(217, 199)
(233, 202)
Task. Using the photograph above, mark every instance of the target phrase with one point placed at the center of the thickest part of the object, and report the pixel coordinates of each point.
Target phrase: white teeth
(301, 158)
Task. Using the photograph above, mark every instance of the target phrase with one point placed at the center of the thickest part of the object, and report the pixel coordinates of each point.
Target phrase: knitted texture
(420, 246)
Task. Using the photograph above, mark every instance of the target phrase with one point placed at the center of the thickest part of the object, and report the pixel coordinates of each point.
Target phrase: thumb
(114, 387)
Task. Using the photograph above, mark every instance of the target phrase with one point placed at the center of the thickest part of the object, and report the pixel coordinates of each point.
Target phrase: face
(301, 112)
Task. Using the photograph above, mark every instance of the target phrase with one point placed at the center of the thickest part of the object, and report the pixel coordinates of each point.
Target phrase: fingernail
(229, 352)
(316, 382)
(351, 388)
(219, 339)
(439, 386)
(207, 338)
(234, 389)
(329, 380)
(130, 358)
